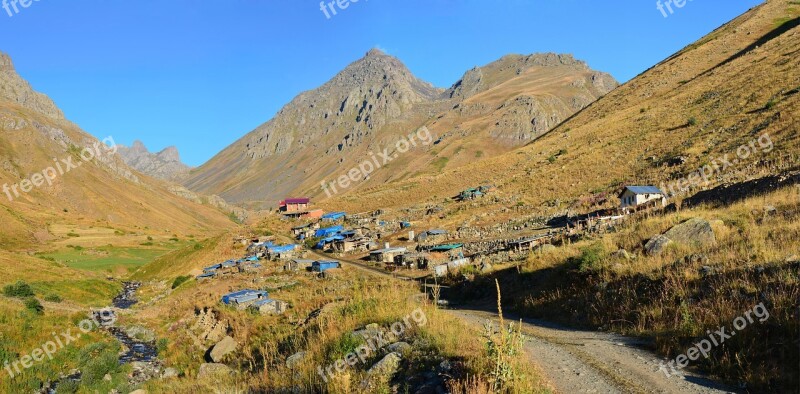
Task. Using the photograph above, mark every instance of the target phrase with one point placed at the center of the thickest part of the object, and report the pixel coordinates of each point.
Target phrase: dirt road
(576, 361)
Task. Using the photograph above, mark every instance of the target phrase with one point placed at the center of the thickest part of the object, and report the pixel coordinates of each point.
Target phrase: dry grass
(754, 260)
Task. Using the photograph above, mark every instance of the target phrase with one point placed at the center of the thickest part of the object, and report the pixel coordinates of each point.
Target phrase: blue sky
(200, 74)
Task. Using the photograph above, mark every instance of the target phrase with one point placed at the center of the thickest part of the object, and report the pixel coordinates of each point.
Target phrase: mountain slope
(376, 101)
(36, 143)
(708, 100)
(165, 164)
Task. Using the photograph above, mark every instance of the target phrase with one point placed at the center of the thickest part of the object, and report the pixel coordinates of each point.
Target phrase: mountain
(165, 164)
(376, 102)
(698, 107)
(53, 174)
(15, 89)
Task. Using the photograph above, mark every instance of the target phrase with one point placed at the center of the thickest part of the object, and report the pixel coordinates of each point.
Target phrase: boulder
(224, 347)
(169, 373)
(295, 359)
(213, 369)
(622, 254)
(140, 391)
(140, 333)
(656, 245)
(693, 232)
(399, 347)
(382, 372)
(546, 248)
(486, 267)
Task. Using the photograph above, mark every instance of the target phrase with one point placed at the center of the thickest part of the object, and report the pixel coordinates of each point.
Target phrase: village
(322, 241)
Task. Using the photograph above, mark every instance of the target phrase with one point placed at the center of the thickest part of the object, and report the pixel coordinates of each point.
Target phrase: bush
(161, 345)
(591, 258)
(692, 121)
(18, 290)
(343, 346)
(180, 280)
(34, 306)
(52, 298)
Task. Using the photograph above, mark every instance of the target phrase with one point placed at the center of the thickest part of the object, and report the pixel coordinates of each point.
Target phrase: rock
(169, 373)
(693, 232)
(295, 359)
(707, 271)
(107, 378)
(213, 369)
(546, 248)
(770, 210)
(369, 332)
(622, 254)
(140, 391)
(486, 267)
(399, 347)
(382, 372)
(224, 347)
(140, 333)
(656, 245)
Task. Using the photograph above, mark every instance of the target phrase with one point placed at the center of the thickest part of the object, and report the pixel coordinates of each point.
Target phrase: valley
(535, 227)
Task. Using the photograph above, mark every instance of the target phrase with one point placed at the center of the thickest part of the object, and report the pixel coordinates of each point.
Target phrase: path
(575, 361)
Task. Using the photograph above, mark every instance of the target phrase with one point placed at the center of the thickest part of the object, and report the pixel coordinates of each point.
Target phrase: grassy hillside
(678, 296)
(725, 91)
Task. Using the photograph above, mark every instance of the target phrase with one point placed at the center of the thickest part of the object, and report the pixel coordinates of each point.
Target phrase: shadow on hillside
(589, 301)
(728, 194)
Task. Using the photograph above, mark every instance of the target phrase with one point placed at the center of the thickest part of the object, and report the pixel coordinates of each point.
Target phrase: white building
(634, 197)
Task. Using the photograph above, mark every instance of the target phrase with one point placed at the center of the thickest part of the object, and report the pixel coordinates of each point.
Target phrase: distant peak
(139, 146)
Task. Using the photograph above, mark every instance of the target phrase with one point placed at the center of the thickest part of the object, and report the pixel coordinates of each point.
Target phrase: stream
(138, 351)
(142, 354)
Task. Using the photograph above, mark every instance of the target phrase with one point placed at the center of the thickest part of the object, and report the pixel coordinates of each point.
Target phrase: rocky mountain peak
(165, 165)
(169, 154)
(5, 62)
(17, 90)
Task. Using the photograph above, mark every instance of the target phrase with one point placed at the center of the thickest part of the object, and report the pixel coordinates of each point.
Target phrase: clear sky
(199, 74)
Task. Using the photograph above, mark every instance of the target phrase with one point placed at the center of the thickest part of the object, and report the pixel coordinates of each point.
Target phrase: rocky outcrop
(17, 90)
(164, 165)
(696, 232)
(382, 372)
(223, 348)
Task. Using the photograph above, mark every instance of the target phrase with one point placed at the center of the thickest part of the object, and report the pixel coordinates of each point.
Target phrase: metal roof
(643, 190)
(389, 250)
(296, 201)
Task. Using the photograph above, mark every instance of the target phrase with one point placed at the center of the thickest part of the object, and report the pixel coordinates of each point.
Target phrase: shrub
(345, 345)
(591, 258)
(161, 345)
(34, 306)
(692, 121)
(149, 238)
(180, 280)
(52, 298)
(18, 290)
(73, 235)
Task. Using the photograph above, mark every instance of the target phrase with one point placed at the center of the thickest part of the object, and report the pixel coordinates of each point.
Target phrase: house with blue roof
(243, 298)
(637, 197)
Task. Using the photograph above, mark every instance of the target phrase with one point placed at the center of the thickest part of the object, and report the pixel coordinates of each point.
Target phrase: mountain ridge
(376, 101)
